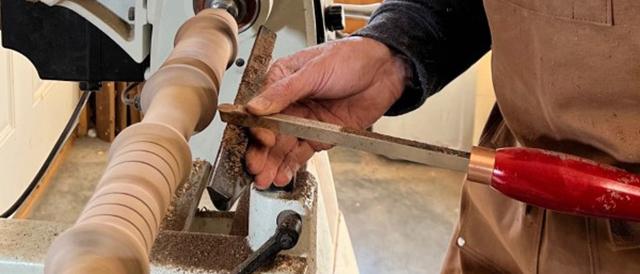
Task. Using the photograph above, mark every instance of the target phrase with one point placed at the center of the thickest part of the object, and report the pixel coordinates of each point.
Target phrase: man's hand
(350, 82)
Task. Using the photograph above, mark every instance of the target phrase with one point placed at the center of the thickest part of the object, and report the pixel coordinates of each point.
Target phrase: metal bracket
(133, 37)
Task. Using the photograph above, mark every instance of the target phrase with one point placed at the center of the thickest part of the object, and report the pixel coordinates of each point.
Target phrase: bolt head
(132, 13)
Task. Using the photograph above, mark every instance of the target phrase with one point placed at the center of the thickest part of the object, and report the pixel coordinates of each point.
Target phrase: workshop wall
(485, 96)
(33, 112)
(445, 119)
(454, 117)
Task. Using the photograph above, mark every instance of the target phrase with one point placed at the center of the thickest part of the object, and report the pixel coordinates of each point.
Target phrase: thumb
(285, 92)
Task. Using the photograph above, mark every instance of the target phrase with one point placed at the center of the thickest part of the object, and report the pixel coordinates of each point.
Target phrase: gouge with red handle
(551, 180)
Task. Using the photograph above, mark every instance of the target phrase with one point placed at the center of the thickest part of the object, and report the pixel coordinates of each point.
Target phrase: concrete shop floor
(400, 215)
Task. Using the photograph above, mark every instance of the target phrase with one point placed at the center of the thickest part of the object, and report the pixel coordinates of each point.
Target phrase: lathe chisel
(547, 179)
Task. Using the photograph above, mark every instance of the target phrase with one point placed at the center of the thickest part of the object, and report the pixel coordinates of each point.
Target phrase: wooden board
(106, 112)
(83, 122)
(354, 25)
(121, 108)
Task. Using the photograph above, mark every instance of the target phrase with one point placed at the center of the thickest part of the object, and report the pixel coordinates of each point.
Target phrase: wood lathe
(146, 214)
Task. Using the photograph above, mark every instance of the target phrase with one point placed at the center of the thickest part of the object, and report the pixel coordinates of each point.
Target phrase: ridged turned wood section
(117, 228)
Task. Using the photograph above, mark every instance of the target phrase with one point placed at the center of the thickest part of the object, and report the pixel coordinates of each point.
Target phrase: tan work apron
(567, 78)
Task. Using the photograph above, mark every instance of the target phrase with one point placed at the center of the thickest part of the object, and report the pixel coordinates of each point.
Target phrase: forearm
(440, 39)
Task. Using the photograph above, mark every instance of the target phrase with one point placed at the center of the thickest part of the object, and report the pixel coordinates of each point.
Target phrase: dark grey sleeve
(439, 38)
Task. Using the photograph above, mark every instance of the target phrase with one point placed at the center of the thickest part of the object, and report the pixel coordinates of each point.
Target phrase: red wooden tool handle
(566, 183)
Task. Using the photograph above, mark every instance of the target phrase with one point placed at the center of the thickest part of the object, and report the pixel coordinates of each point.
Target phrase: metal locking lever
(286, 237)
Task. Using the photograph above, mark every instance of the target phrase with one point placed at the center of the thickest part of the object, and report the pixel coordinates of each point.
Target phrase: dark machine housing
(64, 46)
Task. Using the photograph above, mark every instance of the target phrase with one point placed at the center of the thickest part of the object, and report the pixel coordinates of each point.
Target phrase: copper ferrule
(481, 164)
